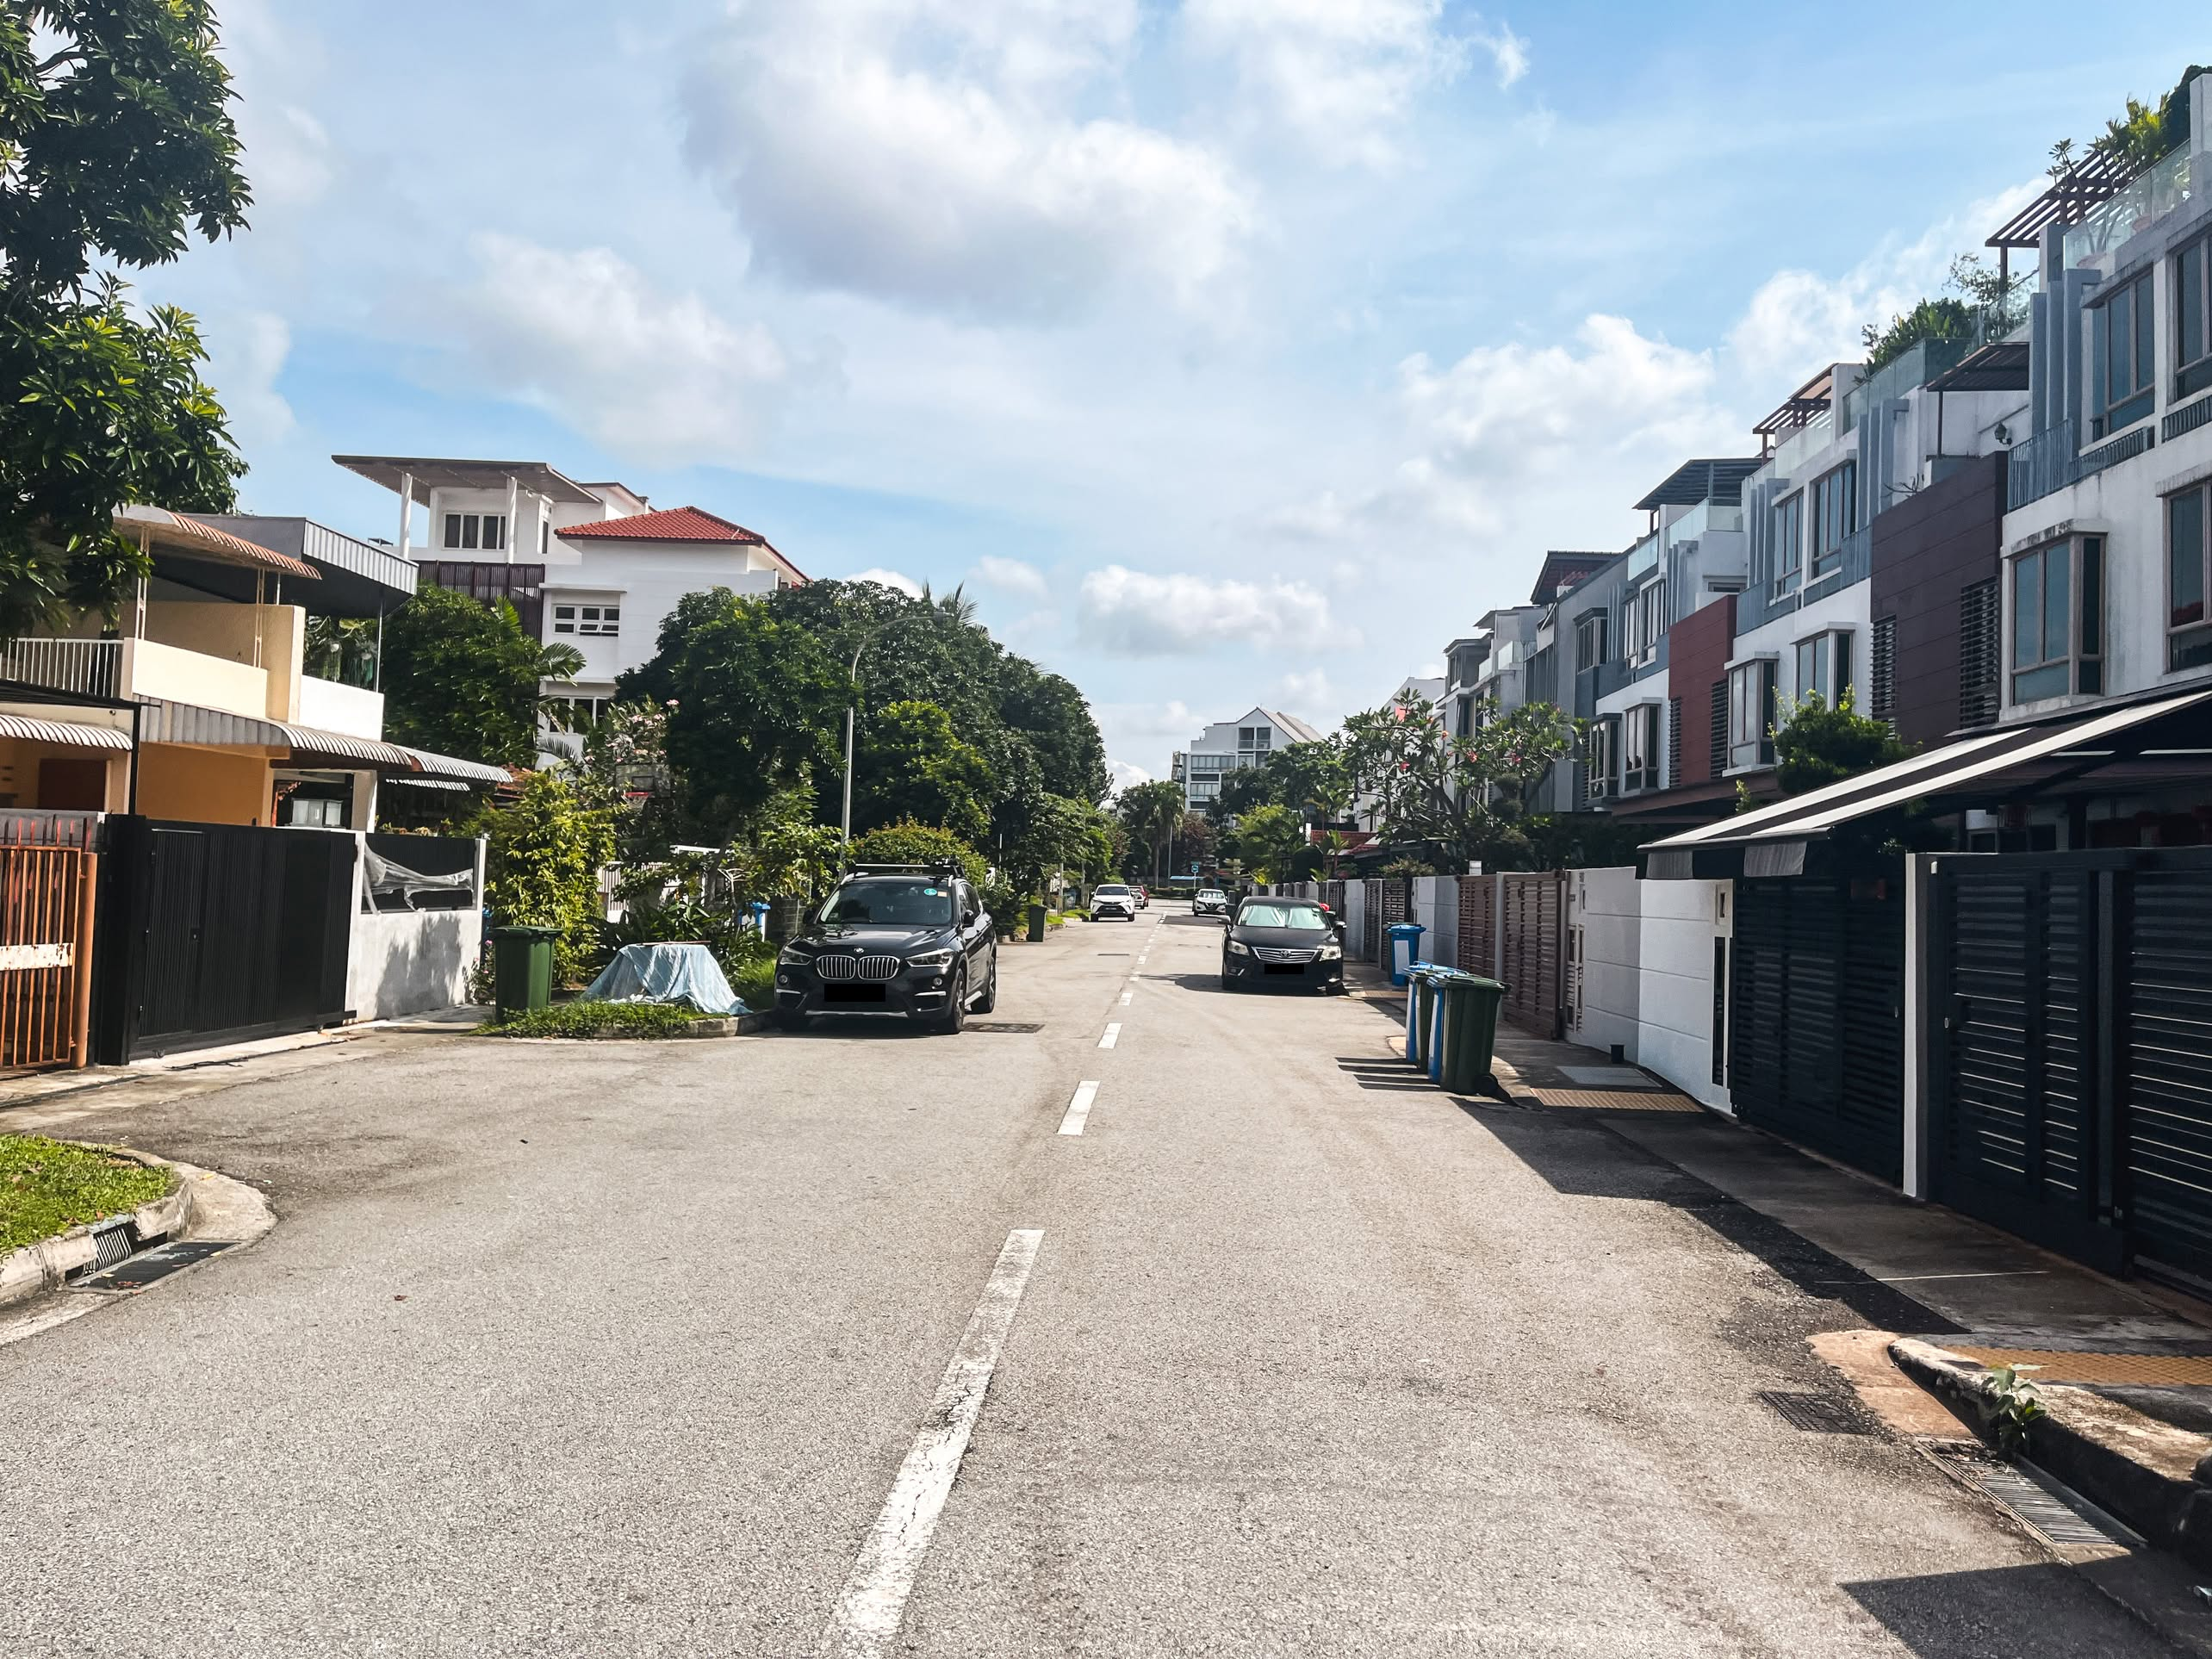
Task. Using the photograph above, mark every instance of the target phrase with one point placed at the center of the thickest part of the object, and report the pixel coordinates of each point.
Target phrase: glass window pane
(468, 530)
(453, 530)
(2119, 359)
(2091, 643)
(2056, 609)
(2191, 307)
(2039, 683)
(2026, 611)
(2146, 363)
(2185, 558)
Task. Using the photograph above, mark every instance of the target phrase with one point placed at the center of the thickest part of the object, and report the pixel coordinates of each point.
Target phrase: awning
(448, 766)
(62, 732)
(166, 722)
(164, 531)
(2139, 746)
(416, 781)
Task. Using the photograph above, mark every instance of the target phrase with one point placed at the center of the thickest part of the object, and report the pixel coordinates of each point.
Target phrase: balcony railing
(2165, 188)
(2048, 461)
(88, 667)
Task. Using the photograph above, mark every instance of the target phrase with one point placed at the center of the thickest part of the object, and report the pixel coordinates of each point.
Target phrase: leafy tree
(1461, 795)
(542, 865)
(1151, 811)
(1195, 840)
(912, 769)
(919, 843)
(1817, 745)
(119, 147)
(464, 678)
(756, 703)
(1269, 841)
(1065, 833)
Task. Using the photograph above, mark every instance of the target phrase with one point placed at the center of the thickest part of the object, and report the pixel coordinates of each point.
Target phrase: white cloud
(1137, 614)
(1508, 52)
(587, 337)
(1126, 776)
(1340, 74)
(1011, 576)
(245, 354)
(898, 578)
(933, 153)
(1311, 695)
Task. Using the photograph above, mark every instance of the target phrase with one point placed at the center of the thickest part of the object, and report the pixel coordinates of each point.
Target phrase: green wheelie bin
(522, 969)
(1470, 1030)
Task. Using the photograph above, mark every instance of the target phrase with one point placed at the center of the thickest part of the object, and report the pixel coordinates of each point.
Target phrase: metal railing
(89, 667)
(2162, 190)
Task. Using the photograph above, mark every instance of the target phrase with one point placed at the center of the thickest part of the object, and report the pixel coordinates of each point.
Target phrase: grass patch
(583, 1019)
(49, 1186)
(755, 984)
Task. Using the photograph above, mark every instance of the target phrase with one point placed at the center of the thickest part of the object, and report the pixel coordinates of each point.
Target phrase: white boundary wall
(1604, 914)
(1681, 919)
(1436, 907)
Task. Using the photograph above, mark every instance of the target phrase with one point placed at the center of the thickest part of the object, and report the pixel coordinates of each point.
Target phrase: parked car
(1211, 901)
(1144, 898)
(1112, 899)
(1286, 941)
(907, 942)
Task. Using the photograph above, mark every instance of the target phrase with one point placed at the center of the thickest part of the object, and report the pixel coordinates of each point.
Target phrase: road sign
(1194, 866)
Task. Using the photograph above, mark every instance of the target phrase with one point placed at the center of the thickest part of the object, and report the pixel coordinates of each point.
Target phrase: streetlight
(853, 674)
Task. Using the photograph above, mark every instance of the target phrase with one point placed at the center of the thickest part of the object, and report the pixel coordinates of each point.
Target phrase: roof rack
(940, 867)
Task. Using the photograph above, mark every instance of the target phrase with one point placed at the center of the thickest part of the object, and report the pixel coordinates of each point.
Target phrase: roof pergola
(2093, 181)
(1715, 479)
(432, 472)
(1799, 409)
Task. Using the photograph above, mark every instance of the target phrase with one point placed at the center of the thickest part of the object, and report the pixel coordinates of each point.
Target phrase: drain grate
(2061, 1517)
(1816, 1414)
(158, 1263)
(1017, 1027)
(112, 1243)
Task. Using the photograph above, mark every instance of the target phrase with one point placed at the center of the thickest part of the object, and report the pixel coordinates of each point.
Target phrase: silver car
(1211, 901)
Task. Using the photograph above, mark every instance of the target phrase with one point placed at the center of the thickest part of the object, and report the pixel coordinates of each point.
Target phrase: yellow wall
(219, 628)
(202, 786)
(19, 771)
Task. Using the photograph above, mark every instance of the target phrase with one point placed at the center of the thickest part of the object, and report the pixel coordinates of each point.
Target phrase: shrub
(542, 870)
(583, 1019)
(755, 982)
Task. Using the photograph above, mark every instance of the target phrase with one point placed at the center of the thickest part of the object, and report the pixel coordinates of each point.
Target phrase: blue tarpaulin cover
(666, 974)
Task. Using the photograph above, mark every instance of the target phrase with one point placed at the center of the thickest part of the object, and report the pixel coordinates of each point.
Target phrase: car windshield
(1277, 914)
(1113, 892)
(1211, 892)
(912, 902)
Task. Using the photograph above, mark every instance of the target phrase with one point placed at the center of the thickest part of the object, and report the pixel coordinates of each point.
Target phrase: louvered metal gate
(1533, 948)
(2072, 1060)
(1817, 1042)
(46, 933)
(1388, 901)
(1478, 924)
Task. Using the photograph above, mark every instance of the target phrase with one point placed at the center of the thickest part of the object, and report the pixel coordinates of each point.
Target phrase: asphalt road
(618, 1349)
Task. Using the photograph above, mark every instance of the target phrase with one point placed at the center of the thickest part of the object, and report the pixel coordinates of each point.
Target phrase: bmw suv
(903, 943)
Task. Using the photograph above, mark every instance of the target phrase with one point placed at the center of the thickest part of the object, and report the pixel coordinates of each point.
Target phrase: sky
(1229, 353)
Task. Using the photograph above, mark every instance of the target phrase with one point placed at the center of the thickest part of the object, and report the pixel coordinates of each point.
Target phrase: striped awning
(170, 533)
(449, 766)
(62, 731)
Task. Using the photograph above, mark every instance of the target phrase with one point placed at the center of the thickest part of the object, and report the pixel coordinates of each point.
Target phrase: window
(2192, 318)
(1604, 735)
(487, 531)
(1589, 639)
(1751, 715)
(1254, 739)
(1823, 667)
(605, 620)
(2189, 542)
(2122, 387)
(2058, 645)
(1639, 758)
(1835, 516)
(1789, 544)
(1647, 619)
(544, 537)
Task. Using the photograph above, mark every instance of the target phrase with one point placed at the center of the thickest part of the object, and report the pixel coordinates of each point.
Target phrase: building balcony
(140, 670)
(2161, 190)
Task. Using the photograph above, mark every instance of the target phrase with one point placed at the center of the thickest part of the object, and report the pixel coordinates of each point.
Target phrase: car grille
(857, 967)
(1280, 953)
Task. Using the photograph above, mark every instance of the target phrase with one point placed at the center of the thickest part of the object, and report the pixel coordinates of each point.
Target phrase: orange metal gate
(46, 950)
(1534, 952)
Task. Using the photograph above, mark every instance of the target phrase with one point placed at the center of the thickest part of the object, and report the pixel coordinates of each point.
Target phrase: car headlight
(930, 959)
(793, 956)
(1236, 949)
(1329, 954)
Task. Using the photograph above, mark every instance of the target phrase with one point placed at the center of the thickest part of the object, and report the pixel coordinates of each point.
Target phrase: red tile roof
(683, 524)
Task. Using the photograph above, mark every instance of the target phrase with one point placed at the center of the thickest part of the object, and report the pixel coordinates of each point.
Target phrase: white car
(1211, 901)
(1113, 899)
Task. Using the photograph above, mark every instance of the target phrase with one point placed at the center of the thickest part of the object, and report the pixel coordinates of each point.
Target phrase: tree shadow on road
(2014, 1610)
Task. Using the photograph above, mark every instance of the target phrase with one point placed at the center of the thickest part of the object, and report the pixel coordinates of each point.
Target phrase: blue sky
(1230, 351)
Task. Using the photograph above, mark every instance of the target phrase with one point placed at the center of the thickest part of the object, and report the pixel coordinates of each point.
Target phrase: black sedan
(1287, 942)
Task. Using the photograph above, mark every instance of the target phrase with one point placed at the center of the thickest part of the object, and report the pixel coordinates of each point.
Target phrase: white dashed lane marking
(1078, 1109)
(1113, 1035)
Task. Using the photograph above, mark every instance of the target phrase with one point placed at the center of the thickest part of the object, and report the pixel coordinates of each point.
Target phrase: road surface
(673, 1349)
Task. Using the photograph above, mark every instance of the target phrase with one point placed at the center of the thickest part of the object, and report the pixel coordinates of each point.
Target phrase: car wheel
(989, 1000)
(955, 1013)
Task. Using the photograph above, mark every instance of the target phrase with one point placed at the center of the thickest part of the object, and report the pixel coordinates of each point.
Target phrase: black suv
(900, 941)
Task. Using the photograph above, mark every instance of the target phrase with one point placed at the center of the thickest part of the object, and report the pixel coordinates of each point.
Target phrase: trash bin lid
(522, 930)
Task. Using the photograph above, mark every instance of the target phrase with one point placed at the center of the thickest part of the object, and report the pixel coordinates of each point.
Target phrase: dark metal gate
(1533, 951)
(1817, 1042)
(1478, 924)
(220, 933)
(1388, 901)
(2071, 1051)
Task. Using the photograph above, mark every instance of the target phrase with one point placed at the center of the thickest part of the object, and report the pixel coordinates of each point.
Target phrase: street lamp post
(854, 674)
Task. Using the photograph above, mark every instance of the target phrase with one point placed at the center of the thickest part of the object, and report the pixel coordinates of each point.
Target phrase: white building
(1229, 745)
(588, 565)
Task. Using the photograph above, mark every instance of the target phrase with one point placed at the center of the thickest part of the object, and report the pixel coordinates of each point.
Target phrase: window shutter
(1719, 729)
(1881, 673)
(1980, 639)
(1674, 742)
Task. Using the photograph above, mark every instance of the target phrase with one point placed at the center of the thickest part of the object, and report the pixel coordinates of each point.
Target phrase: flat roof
(2000, 367)
(1711, 479)
(442, 472)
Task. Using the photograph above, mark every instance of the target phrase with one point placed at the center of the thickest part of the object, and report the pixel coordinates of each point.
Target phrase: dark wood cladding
(1926, 549)
(1698, 648)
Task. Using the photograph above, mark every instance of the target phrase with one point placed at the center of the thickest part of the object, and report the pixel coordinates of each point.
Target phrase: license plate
(1286, 968)
(852, 993)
